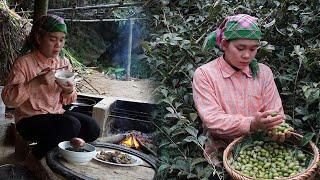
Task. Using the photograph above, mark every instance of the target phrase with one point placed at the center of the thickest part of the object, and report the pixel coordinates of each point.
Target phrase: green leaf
(207, 172)
(182, 174)
(164, 144)
(191, 176)
(118, 70)
(314, 96)
(293, 8)
(178, 132)
(202, 139)
(269, 48)
(191, 139)
(193, 116)
(174, 127)
(270, 24)
(307, 138)
(170, 109)
(192, 130)
(297, 122)
(170, 116)
(180, 165)
(163, 167)
(173, 146)
(310, 116)
(301, 110)
(198, 160)
(177, 104)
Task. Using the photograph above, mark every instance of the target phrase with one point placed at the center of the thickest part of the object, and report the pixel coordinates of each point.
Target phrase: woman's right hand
(46, 77)
(265, 120)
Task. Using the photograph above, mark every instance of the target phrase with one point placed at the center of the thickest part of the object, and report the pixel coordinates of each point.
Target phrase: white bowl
(63, 76)
(77, 157)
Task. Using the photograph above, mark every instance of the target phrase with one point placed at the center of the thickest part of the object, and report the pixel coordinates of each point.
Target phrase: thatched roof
(13, 31)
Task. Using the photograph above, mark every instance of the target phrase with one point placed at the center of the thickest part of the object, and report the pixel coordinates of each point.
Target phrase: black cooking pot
(83, 105)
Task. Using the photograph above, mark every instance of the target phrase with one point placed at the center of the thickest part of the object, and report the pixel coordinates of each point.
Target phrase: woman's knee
(90, 130)
(93, 131)
(71, 126)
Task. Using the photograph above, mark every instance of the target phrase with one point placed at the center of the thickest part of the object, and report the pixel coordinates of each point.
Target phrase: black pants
(50, 129)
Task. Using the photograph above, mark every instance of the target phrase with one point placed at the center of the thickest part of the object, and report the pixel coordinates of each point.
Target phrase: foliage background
(291, 47)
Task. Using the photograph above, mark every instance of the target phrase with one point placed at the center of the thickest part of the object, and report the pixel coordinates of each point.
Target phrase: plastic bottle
(2, 106)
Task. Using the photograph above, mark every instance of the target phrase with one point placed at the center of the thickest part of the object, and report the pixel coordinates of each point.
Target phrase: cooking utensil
(62, 67)
(43, 71)
(82, 104)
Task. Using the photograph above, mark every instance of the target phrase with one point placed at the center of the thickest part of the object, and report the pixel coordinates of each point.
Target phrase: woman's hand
(66, 89)
(46, 77)
(265, 120)
(281, 132)
(77, 142)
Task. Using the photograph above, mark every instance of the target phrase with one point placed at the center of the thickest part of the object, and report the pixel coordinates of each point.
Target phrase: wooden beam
(103, 6)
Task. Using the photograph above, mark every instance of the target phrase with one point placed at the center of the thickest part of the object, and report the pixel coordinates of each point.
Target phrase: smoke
(120, 49)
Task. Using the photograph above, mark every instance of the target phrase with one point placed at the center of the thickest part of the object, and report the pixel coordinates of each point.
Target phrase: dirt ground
(93, 82)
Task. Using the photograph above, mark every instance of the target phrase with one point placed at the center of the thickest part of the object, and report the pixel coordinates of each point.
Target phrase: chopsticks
(62, 67)
(43, 71)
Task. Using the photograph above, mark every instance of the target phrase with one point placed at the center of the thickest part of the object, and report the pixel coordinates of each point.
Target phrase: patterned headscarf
(241, 26)
(52, 23)
(47, 23)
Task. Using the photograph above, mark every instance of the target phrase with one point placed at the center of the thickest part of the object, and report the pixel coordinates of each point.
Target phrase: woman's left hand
(66, 89)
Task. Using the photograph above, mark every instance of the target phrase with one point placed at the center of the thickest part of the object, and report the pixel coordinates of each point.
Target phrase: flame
(130, 142)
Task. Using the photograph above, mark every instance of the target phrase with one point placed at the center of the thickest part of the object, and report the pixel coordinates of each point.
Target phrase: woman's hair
(43, 25)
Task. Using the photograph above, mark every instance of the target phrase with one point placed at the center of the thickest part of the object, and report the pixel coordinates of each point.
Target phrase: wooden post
(40, 8)
(129, 49)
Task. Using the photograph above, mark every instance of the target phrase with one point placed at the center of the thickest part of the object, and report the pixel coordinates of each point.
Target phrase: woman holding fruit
(38, 98)
(234, 94)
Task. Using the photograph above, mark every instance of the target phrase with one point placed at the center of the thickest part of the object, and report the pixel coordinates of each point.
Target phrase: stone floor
(8, 154)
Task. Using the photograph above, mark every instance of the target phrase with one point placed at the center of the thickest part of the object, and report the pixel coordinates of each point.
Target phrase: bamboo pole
(104, 6)
(129, 49)
(40, 8)
(102, 20)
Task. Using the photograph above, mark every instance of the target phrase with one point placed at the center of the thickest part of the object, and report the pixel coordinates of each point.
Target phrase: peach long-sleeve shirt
(42, 99)
(226, 100)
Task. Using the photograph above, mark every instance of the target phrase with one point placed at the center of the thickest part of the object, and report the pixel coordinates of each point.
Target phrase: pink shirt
(29, 100)
(226, 100)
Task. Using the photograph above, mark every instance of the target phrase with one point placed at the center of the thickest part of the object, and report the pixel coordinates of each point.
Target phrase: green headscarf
(47, 23)
(53, 23)
(241, 26)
